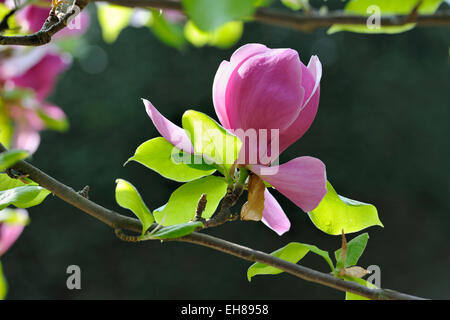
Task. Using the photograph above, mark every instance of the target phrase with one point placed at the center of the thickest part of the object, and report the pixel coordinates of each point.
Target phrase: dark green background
(382, 130)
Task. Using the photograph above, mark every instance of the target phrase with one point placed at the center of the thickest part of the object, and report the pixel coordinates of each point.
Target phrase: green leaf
(183, 201)
(209, 15)
(211, 139)
(223, 37)
(386, 7)
(129, 198)
(161, 156)
(293, 252)
(352, 296)
(177, 231)
(23, 197)
(113, 19)
(336, 213)
(3, 284)
(355, 249)
(9, 158)
(169, 33)
(6, 128)
(60, 125)
(7, 183)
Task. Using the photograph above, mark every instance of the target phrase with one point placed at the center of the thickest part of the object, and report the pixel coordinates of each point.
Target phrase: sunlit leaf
(183, 201)
(113, 19)
(23, 197)
(129, 198)
(293, 252)
(336, 213)
(223, 37)
(9, 158)
(3, 284)
(209, 15)
(355, 249)
(6, 128)
(352, 296)
(61, 125)
(177, 231)
(7, 183)
(293, 4)
(384, 7)
(211, 139)
(161, 156)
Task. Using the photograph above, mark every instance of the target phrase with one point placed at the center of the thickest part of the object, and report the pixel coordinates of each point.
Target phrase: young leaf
(384, 7)
(293, 252)
(7, 183)
(183, 201)
(223, 37)
(161, 156)
(211, 139)
(61, 125)
(177, 231)
(9, 158)
(254, 207)
(209, 15)
(129, 198)
(113, 19)
(3, 284)
(352, 296)
(23, 197)
(335, 213)
(355, 249)
(293, 4)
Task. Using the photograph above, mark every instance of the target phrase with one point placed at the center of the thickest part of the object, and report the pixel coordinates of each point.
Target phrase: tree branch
(118, 221)
(52, 25)
(304, 22)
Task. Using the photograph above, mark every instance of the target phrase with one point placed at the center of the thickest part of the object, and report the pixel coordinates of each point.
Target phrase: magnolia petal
(274, 216)
(26, 138)
(302, 180)
(173, 133)
(226, 69)
(311, 74)
(9, 233)
(265, 92)
(43, 75)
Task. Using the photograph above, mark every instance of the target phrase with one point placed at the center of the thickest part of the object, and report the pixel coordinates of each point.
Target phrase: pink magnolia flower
(28, 124)
(265, 89)
(262, 88)
(10, 231)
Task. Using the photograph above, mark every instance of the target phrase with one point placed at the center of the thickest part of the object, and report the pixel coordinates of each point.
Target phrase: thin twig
(119, 222)
(308, 21)
(51, 26)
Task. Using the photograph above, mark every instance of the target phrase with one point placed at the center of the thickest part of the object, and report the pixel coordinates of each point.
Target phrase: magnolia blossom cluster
(27, 78)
